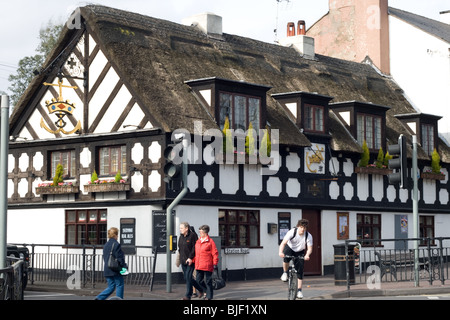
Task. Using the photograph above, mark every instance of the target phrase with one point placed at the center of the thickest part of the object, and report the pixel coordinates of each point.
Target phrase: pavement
(314, 288)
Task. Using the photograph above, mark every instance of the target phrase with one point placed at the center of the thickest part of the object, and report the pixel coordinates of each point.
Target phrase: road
(37, 295)
(40, 295)
(418, 297)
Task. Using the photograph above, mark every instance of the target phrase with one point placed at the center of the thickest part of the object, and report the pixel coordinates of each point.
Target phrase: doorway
(314, 265)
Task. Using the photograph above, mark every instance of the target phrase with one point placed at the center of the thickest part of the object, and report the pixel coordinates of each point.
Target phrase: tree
(365, 156)
(435, 162)
(250, 141)
(48, 37)
(58, 178)
(380, 159)
(228, 137)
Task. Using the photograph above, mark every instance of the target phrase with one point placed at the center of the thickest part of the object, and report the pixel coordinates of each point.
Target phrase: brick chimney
(353, 30)
(301, 42)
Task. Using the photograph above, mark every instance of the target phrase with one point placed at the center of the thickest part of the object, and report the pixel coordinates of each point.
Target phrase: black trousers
(298, 263)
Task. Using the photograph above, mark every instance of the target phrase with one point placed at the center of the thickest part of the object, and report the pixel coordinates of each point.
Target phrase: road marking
(48, 295)
(433, 298)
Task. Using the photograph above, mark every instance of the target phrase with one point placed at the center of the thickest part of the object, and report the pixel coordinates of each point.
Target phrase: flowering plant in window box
(58, 186)
(107, 185)
(433, 173)
(379, 167)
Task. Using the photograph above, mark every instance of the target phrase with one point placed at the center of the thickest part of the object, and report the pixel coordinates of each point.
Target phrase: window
(239, 228)
(67, 160)
(241, 111)
(428, 138)
(86, 227)
(112, 160)
(369, 129)
(368, 227)
(314, 118)
(426, 229)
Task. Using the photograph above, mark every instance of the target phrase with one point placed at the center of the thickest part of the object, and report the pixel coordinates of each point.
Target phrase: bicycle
(292, 278)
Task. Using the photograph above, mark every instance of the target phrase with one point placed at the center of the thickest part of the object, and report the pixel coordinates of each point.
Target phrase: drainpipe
(4, 137)
(169, 217)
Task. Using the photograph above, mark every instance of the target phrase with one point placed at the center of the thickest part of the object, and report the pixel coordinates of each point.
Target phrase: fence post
(32, 263)
(441, 261)
(430, 262)
(347, 271)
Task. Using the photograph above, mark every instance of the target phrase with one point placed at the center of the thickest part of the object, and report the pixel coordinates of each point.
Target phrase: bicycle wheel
(292, 285)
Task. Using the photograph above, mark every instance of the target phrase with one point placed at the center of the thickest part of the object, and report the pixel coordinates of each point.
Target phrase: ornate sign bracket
(60, 108)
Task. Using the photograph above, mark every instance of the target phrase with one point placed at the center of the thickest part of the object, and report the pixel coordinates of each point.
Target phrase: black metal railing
(81, 266)
(11, 277)
(388, 260)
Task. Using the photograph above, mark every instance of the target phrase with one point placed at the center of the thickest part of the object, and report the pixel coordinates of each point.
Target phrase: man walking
(186, 247)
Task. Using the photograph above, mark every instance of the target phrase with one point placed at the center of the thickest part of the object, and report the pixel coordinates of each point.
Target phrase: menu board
(160, 229)
(128, 235)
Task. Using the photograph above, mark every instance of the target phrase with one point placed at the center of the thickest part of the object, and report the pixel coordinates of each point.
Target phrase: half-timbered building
(118, 84)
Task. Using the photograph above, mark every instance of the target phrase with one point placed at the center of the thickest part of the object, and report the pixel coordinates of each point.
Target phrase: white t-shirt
(298, 242)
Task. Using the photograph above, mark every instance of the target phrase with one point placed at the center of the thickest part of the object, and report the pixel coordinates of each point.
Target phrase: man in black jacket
(186, 248)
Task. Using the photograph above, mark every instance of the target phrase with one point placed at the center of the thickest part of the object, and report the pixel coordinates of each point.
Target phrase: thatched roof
(156, 57)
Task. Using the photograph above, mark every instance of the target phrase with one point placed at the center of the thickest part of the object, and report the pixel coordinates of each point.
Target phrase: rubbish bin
(340, 267)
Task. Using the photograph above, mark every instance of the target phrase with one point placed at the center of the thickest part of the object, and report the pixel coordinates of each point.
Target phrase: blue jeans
(204, 279)
(188, 270)
(114, 283)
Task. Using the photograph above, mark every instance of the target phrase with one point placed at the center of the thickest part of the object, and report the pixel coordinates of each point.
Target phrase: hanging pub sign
(315, 159)
(60, 108)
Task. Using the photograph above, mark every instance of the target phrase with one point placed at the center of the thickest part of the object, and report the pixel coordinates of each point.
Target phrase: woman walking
(206, 259)
(113, 278)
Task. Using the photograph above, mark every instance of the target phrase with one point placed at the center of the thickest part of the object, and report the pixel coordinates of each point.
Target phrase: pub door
(314, 265)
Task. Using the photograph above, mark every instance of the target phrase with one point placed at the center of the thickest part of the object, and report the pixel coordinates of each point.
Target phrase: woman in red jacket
(206, 259)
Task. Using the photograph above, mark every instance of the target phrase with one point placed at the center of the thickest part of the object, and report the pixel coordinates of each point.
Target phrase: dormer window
(241, 110)
(365, 121)
(424, 126)
(241, 102)
(314, 119)
(428, 138)
(308, 110)
(369, 129)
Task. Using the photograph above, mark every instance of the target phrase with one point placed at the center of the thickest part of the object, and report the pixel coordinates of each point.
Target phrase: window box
(107, 187)
(57, 190)
(373, 170)
(235, 158)
(432, 176)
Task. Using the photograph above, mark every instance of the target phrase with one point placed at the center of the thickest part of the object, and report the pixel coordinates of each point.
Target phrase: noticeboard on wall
(342, 226)
(159, 222)
(128, 235)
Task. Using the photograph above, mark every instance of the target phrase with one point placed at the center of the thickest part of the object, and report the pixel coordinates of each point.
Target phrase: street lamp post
(4, 137)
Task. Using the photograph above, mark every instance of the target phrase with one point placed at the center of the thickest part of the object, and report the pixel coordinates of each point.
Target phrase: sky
(21, 20)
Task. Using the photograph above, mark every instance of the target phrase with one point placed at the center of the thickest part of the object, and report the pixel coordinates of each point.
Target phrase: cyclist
(297, 243)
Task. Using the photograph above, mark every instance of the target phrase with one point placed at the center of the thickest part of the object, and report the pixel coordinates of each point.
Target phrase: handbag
(113, 264)
(217, 281)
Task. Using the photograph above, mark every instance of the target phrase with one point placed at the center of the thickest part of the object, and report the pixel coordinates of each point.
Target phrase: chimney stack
(207, 22)
(302, 43)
